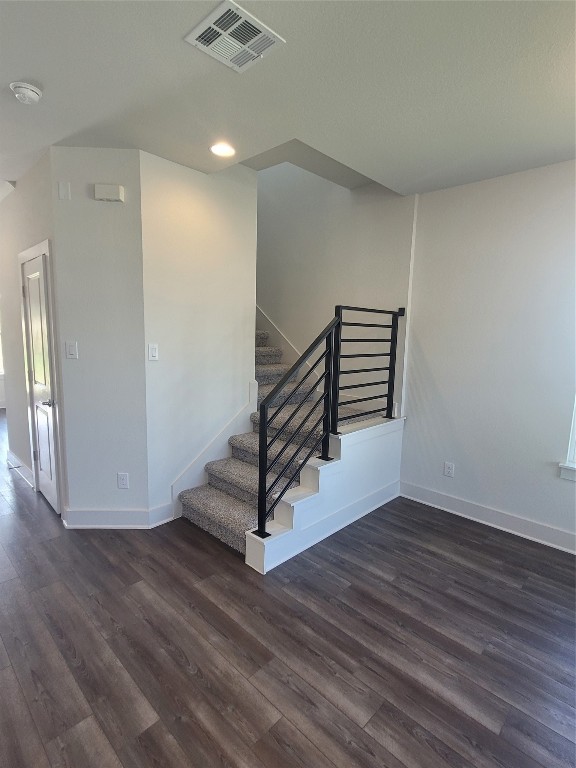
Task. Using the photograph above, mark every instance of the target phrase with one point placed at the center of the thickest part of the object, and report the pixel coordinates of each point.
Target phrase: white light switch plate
(152, 351)
(71, 350)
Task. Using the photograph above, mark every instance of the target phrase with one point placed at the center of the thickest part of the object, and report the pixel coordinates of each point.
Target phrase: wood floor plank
(5, 506)
(389, 651)
(35, 568)
(106, 555)
(83, 745)
(517, 657)
(80, 565)
(295, 621)
(228, 691)
(241, 649)
(412, 744)
(340, 687)
(14, 529)
(7, 570)
(4, 658)
(540, 742)
(53, 696)
(201, 729)
(119, 705)
(462, 733)
(335, 735)
(20, 744)
(284, 746)
(154, 748)
(554, 709)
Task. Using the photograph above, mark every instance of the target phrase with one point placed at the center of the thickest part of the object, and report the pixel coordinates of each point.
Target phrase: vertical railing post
(328, 374)
(262, 472)
(392, 363)
(336, 346)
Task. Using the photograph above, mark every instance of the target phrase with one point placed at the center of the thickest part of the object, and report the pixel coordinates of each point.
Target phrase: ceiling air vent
(234, 37)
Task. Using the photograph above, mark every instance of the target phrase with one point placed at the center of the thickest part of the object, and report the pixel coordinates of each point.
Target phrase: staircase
(227, 506)
(300, 497)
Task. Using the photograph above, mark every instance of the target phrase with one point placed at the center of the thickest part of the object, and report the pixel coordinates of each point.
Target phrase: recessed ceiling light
(222, 149)
(26, 93)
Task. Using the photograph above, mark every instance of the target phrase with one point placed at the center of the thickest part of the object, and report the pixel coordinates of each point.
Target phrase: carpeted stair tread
(300, 416)
(261, 338)
(245, 448)
(271, 374)
(268, 355)
(221, 515)
(237, 478)
(298, 396)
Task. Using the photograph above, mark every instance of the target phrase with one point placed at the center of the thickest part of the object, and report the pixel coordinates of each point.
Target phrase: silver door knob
(49, 403)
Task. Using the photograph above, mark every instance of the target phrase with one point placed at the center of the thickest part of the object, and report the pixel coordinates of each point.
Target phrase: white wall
(97, 256)
(2, 385)
(320, 245)
(491, 374)
(25, 220)
(199, 247)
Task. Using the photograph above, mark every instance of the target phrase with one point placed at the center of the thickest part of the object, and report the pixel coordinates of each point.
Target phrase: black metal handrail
(324, 412)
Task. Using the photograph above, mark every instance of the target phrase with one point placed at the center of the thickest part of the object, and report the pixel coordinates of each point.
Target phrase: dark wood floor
(412, 639)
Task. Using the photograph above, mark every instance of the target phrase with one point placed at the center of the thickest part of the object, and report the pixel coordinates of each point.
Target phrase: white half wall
(199, 255)
(332, 494)
(491, 370)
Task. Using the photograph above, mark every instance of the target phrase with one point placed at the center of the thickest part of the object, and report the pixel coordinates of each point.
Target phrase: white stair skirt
(332, 494)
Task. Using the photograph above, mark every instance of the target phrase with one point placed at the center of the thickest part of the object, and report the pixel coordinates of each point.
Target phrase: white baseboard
(504, 521)
(120, 518)
(163, 514)
(14, 462)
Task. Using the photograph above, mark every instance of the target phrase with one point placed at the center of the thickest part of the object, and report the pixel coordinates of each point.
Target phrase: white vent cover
(233, 36)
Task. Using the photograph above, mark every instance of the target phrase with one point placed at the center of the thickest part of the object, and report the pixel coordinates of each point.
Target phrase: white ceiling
(414, 95)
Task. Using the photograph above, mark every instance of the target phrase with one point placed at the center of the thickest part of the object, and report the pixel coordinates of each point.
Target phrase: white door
(38, 329)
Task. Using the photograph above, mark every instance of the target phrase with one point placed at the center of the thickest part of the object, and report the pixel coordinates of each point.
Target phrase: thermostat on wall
(109, 193)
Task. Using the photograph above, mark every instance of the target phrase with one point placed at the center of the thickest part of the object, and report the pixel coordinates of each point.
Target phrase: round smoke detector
(26, 93)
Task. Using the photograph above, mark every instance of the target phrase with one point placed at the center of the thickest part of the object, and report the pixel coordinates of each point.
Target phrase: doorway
(37, 313)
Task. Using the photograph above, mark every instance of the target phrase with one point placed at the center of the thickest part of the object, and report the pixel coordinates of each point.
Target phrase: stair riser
(261, 339)
(268, 358)
(268, 377)
(290, 429)
(294, 399)
(233, 490)
(252, 458)
(232, 538)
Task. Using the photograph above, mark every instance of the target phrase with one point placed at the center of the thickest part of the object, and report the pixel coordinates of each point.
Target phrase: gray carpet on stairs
(227, 506)
(224, 516)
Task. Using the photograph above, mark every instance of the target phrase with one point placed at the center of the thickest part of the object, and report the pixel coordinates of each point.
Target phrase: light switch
(152, 351)
(71, 350)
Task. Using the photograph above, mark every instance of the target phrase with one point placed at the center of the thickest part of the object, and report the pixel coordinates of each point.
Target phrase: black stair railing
(289, 436)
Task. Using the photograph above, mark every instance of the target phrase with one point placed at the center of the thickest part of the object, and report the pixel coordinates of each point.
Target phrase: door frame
(43, 251)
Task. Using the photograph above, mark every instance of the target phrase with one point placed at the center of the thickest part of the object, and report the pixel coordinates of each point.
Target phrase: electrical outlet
(123, 480)
(448, 469)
